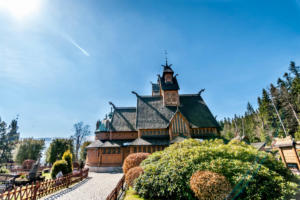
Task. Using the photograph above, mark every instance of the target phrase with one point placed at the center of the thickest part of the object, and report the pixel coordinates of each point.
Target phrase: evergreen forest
(277, 114)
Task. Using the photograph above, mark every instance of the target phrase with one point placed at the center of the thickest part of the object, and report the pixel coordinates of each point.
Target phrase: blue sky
(63, 61)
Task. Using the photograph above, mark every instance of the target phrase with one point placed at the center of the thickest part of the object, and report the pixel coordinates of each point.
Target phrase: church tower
(169, 86)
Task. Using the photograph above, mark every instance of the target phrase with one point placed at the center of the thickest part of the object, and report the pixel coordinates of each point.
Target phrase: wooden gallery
(158, 120)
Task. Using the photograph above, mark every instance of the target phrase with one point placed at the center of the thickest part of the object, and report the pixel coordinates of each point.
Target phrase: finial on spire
(166, 57)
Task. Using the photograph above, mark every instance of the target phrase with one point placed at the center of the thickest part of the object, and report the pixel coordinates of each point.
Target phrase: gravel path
(96, 187)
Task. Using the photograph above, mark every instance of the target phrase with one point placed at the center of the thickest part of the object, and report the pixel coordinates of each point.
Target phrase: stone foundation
(105, 169)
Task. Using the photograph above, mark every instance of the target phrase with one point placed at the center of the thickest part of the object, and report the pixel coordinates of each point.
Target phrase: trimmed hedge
(59, 166)
(252, 174)
(134, 160)
(208, 185)
(68, 158)
(133, 174)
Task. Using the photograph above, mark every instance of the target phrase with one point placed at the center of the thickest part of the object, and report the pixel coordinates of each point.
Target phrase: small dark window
(149, 149)
(144, 149)
(113, 150)
(134, 149)
(108, 151)
(140, 149)
(104, 151)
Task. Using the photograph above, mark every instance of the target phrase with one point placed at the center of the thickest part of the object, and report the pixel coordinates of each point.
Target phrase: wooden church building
(158, 120)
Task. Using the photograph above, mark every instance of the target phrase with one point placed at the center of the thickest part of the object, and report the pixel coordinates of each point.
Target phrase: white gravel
(97, 187)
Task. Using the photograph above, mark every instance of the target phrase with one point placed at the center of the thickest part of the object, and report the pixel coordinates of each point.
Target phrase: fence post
(68, 180)
(35, 190)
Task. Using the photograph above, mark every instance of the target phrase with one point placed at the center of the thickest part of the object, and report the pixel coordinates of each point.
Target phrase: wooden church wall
(179, 126)
(117, 135)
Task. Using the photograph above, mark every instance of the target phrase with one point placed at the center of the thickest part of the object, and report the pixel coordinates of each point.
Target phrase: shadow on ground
(65, 191)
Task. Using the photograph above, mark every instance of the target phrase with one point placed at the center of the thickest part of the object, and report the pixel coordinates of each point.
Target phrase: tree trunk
(294, 112)
(278, 115)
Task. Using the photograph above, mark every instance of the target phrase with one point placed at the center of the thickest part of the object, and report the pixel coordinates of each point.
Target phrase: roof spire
(166, 66)
(166, 57)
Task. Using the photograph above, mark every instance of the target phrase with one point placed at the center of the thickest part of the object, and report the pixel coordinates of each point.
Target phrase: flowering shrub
(132, 174)
(133, 160)
(252, 174)
(208, 185)
(27, 164)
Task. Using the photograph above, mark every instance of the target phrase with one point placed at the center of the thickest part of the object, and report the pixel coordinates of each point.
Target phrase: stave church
(157, 120)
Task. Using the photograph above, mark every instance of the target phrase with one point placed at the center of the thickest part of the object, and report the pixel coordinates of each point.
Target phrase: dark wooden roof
(147, 142)
(155, 87)
(123, 119)
(168, 85)
(152, 114)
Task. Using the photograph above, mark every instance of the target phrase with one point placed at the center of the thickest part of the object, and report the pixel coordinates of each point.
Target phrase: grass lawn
(131, 195)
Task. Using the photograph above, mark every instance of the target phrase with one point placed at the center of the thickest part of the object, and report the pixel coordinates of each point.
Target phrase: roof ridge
(189, 95)
(125, 108)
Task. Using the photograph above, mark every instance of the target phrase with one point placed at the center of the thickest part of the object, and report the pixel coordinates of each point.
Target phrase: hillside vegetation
(277, 114)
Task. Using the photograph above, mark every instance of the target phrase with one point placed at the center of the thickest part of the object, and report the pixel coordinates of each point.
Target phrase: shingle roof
(110, 144)
(124, 119)
(152, 114)
(139, 142)
(147, 142)
(155, 87)
(95, 144)
(196, 111)
(284, 142)
(258, 145)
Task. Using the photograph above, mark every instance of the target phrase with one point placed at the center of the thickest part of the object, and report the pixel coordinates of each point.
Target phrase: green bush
(208, 185)
(3, 170)
(252, 174)
(59, 166)
(68, 158)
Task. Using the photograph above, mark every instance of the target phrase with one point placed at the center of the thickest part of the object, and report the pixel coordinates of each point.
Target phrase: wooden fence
(115, 194)
(40, 189)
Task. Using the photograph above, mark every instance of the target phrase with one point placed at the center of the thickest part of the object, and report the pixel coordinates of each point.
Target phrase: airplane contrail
(77, 45)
